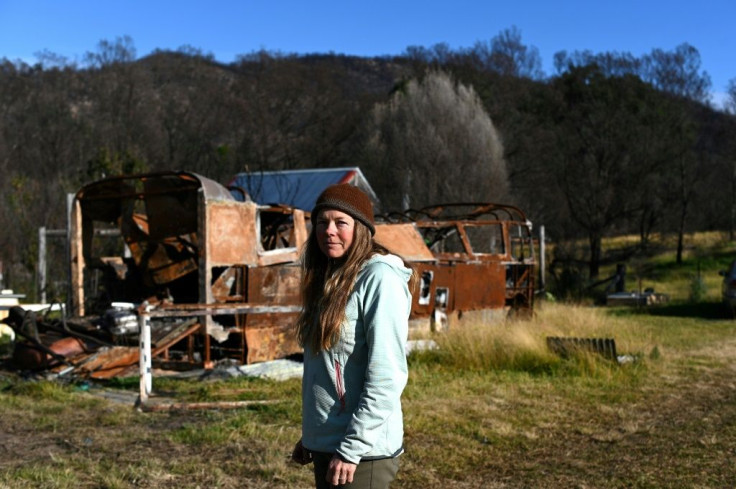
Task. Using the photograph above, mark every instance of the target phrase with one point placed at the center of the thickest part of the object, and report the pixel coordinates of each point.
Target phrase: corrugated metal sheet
(297, 188)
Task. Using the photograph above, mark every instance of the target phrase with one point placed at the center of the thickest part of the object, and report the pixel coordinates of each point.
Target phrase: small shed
(296, 188)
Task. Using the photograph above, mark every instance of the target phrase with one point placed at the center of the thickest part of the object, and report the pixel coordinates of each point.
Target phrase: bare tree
(608, 63)
(612, 138)
(731, 108)
(116, 88)
(296, 112)
(434, 142)
(120, 51)
(677, 72)
(511, 56)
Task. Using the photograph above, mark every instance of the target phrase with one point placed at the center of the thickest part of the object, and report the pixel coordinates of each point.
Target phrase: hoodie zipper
(340, 388)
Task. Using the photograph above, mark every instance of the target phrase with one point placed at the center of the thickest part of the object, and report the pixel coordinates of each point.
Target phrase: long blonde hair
(326, 287)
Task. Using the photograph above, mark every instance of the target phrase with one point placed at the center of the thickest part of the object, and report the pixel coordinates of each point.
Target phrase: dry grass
(521, 345)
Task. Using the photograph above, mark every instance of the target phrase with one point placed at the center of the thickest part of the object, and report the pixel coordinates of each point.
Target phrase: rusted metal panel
(442, 277)
(267, 327)
(404, 240)
(459, 286)
(275, 257)
(274, 285)
(479, 286)
(231, 233)
(270, 336)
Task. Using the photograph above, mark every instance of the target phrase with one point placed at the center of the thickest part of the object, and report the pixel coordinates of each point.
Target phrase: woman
(353, 327)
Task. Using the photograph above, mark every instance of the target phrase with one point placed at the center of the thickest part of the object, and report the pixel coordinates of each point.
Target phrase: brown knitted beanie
(348, 199)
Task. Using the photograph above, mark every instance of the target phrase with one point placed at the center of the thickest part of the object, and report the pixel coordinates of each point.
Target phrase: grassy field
(491, 407)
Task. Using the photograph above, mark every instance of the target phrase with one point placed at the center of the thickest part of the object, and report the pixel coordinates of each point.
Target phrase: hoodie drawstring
(340, 389)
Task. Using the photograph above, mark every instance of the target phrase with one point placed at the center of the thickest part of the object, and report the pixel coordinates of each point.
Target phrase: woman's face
(335, 231)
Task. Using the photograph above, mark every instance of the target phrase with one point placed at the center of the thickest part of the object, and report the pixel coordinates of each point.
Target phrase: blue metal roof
(297, 188)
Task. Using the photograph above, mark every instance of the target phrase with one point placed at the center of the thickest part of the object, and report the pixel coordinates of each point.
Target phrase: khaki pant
(370, 474)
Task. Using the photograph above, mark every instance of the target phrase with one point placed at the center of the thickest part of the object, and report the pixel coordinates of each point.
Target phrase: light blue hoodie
(351, 394)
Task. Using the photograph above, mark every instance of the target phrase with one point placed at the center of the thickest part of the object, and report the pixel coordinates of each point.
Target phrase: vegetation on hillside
(609, 144)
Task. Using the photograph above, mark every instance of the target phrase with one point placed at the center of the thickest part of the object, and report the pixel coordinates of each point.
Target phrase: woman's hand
(340, 472)
(300, 454)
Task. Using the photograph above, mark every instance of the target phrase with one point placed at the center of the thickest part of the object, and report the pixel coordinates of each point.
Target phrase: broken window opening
(228, 283)
(444, 240)
(425, 290)
(441, 297)
(486, 239)
(521, 242)
(276, 230)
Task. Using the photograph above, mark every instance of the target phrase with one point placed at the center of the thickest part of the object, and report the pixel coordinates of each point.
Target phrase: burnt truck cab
(177, 241)
(475, 261)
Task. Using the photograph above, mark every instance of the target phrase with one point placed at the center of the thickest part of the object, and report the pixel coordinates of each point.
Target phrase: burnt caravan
(185, 242)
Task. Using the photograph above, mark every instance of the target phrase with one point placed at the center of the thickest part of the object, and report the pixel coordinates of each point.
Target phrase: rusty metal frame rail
(146, 312)
(460, 211)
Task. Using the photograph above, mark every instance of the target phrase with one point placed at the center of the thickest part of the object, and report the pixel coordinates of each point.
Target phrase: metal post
(41, 267)
(68, 249)
(146, 380)
(542, 266)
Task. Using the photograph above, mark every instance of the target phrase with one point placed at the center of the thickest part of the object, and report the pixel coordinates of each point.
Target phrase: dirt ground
(682, 433)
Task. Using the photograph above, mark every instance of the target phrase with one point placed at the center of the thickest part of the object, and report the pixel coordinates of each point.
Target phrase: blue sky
(227, 28)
